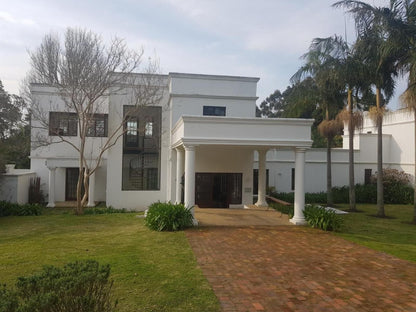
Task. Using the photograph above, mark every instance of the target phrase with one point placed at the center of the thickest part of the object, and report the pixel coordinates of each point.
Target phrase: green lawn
(393, 235)
(152, 271)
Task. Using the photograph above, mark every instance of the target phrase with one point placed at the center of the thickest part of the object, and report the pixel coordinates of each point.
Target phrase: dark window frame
(293, 177)
(57, 121)
(214, 110)
(367, 176)
(145, 175)
(92, 130)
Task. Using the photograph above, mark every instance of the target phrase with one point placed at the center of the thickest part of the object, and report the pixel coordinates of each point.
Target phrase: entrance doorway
(71, 182)
(218, 190)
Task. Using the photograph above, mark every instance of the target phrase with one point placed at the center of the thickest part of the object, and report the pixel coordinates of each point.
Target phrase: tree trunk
(414, 185)
(329, 200)
(380, 191)
(78, 209)
(351, 128)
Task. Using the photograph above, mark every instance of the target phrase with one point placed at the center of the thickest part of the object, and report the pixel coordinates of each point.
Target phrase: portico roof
(236, 131)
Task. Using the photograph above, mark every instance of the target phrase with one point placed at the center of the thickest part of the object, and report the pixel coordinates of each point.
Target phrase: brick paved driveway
(289, 268)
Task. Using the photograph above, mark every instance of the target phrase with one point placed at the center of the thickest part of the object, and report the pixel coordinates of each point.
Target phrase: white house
(198, 144)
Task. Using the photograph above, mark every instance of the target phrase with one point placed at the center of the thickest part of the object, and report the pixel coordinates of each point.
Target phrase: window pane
(214, 110)
(148, 132)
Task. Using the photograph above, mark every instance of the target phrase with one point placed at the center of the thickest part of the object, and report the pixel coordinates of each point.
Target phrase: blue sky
(262, 38)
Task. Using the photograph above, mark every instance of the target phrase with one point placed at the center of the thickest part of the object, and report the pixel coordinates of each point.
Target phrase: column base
(195, 222)
(91, 204)
(50, 205)
(298, 221)
(261, 204)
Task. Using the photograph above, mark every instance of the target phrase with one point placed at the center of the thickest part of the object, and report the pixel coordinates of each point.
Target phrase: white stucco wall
(14, 186)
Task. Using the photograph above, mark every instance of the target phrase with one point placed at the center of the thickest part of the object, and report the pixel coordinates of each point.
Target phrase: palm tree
(353, 79)
(321, 66)
(404, 46)
(373, 39)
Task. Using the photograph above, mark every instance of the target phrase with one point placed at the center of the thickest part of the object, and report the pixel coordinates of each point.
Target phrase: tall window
(63, 124)
(131, 136)
(293, 179)
(214, 111)
(367, 176)
(141, 149)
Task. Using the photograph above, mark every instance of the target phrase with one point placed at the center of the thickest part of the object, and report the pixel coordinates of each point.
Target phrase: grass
(152, 271)
(393, 235)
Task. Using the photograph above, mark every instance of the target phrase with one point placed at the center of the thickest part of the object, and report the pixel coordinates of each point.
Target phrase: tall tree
(373, 40)
(322, 68)
(404, 46)
(353, 79)
(14, 130)
(83, 71)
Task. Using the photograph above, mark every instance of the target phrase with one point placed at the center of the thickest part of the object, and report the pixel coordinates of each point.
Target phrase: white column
(179, 173)
(299, 218)
(91, 190)
(190, 177)
(51, 195)
(261, 200)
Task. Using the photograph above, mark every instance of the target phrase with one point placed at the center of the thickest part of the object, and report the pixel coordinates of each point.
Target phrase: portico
(206, 144)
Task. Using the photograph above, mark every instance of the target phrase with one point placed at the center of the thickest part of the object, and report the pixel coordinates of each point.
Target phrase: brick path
(289, 268)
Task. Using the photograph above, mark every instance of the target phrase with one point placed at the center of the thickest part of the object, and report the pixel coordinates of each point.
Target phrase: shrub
(82, 286)
(8, 300)
(319, 217)
(103, 210)
(168, 217)
(396, 186)
(12, 209)
(282, 208)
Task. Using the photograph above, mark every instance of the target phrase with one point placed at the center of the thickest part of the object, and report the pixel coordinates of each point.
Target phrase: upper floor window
(98, 126)
(63, 124)
(131, 136)
(214, 111)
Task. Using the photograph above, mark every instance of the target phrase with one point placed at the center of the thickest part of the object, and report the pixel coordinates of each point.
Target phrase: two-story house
(197, 146)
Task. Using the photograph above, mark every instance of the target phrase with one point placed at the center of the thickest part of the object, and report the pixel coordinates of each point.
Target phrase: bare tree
(83, 71)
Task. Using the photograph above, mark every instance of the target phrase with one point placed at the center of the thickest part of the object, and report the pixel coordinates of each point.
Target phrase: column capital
(301, 149)
(262, 150)
(189, 148)
(51, 168)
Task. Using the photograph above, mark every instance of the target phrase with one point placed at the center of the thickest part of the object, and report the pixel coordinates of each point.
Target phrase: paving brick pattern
(289, 268)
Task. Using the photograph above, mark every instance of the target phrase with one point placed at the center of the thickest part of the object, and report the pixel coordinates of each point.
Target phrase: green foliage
(394, 193)
(8, 300)
(282, 208)
(82, 286)
(396, 185)
(103, 210)
(168, 217)
(12, 209)
(319, 217)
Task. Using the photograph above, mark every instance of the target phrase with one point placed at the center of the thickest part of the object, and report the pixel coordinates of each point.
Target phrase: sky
(255, 38)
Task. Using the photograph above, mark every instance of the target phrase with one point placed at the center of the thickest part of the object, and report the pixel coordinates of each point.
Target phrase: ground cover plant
(319, 217)
(152, 271)
(394, 235)
(168, 217)
(13, 209)
(83, 286)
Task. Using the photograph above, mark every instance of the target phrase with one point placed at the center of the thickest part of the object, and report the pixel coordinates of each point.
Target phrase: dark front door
(71, 182)
(218, 190)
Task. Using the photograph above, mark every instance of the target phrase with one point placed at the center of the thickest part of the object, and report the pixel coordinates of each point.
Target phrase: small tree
(83, 72)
